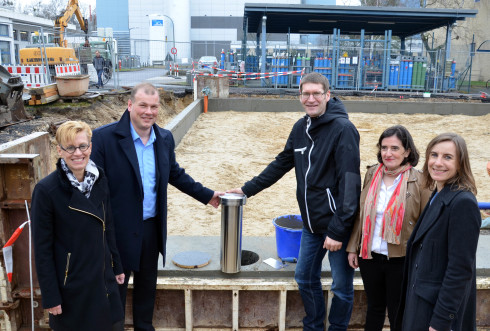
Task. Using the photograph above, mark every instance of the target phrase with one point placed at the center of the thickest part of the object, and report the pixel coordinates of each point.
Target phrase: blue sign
(156, 22)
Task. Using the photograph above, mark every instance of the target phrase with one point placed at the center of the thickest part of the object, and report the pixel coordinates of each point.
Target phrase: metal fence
(377, 65)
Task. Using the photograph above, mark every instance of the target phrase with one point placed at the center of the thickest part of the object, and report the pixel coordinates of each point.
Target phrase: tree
(9, 4)
(53, 9)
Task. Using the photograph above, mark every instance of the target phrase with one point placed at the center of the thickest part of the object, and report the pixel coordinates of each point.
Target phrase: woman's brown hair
(464, 179)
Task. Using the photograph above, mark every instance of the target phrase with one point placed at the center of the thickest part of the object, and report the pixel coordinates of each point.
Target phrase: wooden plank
(50, 93)
(49, 99)
(43, 89)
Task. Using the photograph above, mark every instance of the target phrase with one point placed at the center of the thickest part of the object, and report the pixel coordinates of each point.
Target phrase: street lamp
(173, 32)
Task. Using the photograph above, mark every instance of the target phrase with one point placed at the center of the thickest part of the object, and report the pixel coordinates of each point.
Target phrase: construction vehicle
(11, 104)
(59, 53)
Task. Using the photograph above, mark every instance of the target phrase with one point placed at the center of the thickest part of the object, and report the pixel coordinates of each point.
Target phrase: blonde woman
(77, 262)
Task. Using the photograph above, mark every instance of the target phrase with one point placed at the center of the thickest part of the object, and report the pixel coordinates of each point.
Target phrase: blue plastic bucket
(288, 235)
(484, 205)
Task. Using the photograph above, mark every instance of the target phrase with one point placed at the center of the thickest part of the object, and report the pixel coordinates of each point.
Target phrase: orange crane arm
(61, 22)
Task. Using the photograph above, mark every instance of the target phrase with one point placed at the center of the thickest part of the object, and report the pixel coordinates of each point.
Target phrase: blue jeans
(99, 77)
(308, 277)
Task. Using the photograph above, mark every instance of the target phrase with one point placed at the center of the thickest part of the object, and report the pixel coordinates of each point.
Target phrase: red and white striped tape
(259, 75)
(31, 76)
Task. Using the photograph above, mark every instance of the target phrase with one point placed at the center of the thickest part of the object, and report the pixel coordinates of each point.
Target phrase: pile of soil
(95, 111)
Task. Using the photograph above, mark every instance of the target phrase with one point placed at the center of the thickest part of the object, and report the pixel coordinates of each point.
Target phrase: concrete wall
(405, 107)
(182, 122)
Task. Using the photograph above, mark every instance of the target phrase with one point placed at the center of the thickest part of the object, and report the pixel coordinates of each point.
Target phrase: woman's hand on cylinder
(431, 328)
(353, 260)
(120, 279)
(55, 310)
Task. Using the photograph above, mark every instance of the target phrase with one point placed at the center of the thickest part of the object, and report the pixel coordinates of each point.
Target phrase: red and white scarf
(393, 215)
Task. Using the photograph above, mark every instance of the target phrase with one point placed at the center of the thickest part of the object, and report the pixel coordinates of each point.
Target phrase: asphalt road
(153, 75)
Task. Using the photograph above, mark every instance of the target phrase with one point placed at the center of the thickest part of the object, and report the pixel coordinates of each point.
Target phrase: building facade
(193, 28)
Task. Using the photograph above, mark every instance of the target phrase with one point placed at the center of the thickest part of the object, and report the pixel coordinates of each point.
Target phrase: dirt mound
(96, 112)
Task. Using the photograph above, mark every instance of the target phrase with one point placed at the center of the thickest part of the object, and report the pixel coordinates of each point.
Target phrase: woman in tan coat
(391, 202)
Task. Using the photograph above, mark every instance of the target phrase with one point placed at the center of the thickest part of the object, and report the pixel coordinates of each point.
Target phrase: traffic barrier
(67, 70)
(31, 76)
(259, 75)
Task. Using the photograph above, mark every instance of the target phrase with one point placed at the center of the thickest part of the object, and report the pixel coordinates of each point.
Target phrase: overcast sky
(92, 2)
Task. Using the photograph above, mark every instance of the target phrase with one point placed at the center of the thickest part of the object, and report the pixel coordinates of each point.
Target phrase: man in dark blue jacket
(323, 148)
(139, 160)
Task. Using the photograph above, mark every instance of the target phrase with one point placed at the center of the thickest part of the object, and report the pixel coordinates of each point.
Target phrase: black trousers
(145, 279)
(382, 278)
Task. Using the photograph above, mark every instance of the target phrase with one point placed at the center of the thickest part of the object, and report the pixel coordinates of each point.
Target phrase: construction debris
(44, 94)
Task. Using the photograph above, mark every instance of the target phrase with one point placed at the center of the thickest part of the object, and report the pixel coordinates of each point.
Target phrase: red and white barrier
(31, 76)
(67, 70)
(174, 69)
(258, 75)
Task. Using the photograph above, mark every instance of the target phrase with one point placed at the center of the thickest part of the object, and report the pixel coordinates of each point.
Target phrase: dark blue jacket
(324, 152)
(113, 150)
(439, 283)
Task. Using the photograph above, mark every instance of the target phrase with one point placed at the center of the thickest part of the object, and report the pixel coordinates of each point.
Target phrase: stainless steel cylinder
(231, 231)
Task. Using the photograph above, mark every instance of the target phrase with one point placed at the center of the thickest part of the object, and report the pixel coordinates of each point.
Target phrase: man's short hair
(315, 78)
(147, 88)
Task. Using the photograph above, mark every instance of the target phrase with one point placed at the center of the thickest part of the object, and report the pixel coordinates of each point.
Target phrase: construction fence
(347, 66)
(378, 65)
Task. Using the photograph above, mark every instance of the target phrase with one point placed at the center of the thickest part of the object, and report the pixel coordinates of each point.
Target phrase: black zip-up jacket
(325, 154)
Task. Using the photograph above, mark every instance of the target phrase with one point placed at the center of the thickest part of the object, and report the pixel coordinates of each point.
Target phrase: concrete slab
(265, 247)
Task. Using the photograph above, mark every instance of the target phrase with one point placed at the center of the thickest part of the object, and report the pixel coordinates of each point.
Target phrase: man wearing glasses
(323, 148)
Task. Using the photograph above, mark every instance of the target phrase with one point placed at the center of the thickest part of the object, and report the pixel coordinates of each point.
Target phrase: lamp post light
(173, 32)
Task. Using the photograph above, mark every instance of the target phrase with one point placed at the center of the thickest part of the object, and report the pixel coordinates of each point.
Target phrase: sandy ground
(225, 149)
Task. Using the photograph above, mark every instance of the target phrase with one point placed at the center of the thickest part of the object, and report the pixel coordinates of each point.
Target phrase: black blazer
(113, 150)
(75, 252)
(439, 278)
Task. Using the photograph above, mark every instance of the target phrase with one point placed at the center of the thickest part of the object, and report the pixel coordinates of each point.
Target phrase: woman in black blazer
(74, 244)
(439, 287)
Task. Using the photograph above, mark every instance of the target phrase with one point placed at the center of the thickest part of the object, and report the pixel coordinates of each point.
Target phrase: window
(4, 30)
(5, 52)
(15, 36)
(24, 36)
(16, 50)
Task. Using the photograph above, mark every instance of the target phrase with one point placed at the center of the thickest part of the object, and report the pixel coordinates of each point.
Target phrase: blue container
(484, 205)
(288, 235)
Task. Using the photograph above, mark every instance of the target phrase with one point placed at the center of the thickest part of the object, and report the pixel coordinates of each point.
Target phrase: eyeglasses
(316, 95)
(72, 149)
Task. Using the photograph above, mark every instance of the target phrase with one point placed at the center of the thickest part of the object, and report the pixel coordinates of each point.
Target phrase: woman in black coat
(439, 277)
(75, 249)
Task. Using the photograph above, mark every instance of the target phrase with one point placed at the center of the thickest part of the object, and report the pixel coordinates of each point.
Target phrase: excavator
(61, 53)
